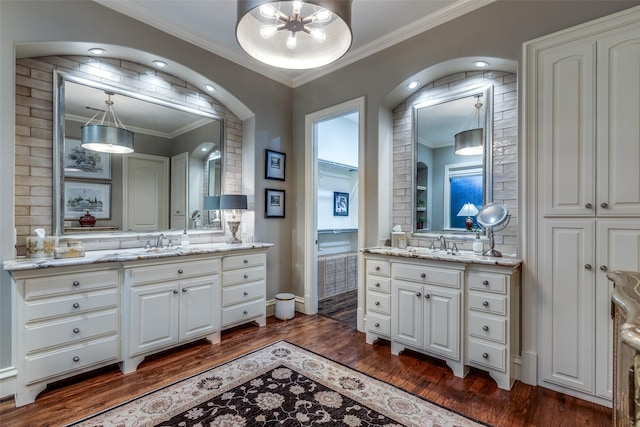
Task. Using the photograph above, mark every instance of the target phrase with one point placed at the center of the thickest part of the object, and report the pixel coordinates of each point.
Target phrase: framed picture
(83, 196)
(81, 163)
(340, 204)
(274, 165)
(273, 203)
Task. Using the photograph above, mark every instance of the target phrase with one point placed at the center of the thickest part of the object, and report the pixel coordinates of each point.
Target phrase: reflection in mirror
(176, 163)
(451, 187)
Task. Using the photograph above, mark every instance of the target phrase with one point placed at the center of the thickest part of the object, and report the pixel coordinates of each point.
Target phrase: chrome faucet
(443, 243)
(160, 241)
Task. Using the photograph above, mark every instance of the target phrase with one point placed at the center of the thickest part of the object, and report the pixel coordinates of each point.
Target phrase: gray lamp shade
(233, 201)
(211, 203)
(107, 139)
(469, 142)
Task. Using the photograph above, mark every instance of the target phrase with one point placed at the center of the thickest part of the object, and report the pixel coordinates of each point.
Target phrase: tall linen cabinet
(583, 193)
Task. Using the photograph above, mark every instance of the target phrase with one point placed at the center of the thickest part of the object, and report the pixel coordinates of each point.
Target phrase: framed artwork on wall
(273, 203)
(274, 165)
(85, 164)
(340, 204)
(83, 196)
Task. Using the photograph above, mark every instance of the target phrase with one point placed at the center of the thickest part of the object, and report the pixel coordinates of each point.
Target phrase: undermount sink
(163, 249)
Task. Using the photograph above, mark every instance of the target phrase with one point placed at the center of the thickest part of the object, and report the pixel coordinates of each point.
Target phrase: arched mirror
(162, 185)
(452, 159)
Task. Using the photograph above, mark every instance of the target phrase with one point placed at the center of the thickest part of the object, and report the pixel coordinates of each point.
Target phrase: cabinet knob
(485, 355)
(377, 285)
(180, 271)
(588, 205)
(603, 268)
(76, 305)
(184, 290)
(604, 205)
(485, 328)
(427, 296)
(485, 282)
(175, 291)
(377, 325)
(246, 276)
(485, 303)
(587, 266)
(245, 293)
(76, 359)
(378, 268)
(245, 312)
(423, 275)
(76, 330)
(418, 294)
(377, 303)
(76, 283)
(246, 261)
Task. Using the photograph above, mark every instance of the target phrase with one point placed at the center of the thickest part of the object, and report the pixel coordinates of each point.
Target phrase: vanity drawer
(241, 293)
(70, 304)
(378, 324)
(243, 312)
(71, 329)
(490, 328)
(489, 282)
(377, 267)
(245, 275)
(67, 283)
(430, 275)
(379, 284)
(174, 271)
(491, 356)
(379, 303)
(68, 359)
(242, 261)
(488, 303)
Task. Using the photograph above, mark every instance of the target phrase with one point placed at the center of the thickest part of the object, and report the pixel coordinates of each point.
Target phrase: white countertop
(134, 254)
(466, 257)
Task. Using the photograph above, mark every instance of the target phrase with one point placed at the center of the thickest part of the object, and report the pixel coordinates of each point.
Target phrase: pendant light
(471, 142)
(294, 34)
(108, 134)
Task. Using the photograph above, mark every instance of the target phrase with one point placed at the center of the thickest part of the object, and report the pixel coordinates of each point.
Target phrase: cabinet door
(179, 190)
(618, 125)
(154, 317)
(442, 322)
(199, 307)
(567, 303)
(566, 130)
(618, 248)
(407, 314)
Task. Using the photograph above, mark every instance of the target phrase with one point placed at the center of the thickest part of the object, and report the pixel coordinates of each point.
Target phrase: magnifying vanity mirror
(450, 183)
(176, 163)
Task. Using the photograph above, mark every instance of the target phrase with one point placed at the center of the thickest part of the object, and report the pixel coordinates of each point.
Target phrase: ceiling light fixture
(97, 51)
(412, 85)
(294, 34)
(470, 142)
(480, 64)
(109, 134)
(160, 64)
(209, 88)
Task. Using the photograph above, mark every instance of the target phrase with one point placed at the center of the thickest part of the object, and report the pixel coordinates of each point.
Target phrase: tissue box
(396, 236)
(41, 247)
(72, 250)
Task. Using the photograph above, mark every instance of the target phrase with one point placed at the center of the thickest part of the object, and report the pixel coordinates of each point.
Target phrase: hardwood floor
(475, 396)
(342, 307)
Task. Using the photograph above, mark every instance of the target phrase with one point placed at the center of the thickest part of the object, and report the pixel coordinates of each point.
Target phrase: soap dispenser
(478, 247)
(185, 239)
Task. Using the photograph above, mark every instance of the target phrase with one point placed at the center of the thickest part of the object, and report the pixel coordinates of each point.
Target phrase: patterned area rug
(283, 385)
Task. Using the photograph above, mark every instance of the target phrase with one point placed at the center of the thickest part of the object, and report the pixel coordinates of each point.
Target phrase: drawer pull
(76, 283)
(427, 296)
(423, 275)
(76, 359)
(604, 205)
(76, 305)
(175, 291)
(245, 312)
(180, 271)
(377, 325)
(485, 303)
(246, 276)
(588, 205)
(485, 282)
(76, 330)
(485, 328)
(246, 261)
(587, 266)
(245, 293)
(418, 294)
(485, 355)
(603, 268)
(377, 268)
(377, 285)
(184, 290)
(377, 303)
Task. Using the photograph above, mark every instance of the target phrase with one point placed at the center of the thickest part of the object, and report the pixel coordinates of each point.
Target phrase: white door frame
(310, 273)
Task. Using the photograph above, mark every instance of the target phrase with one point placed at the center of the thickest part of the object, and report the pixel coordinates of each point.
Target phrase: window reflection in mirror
(445, 183)
(161, 186)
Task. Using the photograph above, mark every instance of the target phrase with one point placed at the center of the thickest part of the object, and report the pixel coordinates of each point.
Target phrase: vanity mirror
(449, 184)
(176, 163)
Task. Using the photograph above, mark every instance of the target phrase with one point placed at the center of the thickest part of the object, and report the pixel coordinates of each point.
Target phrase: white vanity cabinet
(169, 304)
(378, 299)
(244, 289)
(69, 323)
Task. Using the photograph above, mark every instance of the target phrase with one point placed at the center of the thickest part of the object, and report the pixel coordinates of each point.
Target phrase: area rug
(284, 385)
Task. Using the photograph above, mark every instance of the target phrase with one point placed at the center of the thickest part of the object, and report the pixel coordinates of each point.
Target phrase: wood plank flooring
(342, 307)
(475, 396)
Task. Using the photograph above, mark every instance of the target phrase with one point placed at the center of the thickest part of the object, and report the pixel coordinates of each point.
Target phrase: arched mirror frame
(486, 90)
(59, 78)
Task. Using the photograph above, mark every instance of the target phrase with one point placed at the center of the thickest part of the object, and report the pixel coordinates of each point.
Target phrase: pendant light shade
(294, 34)
(108, 134)
(471, 142)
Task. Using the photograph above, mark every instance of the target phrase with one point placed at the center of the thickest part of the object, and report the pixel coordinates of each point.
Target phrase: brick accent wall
(35, 127)
(505, 150)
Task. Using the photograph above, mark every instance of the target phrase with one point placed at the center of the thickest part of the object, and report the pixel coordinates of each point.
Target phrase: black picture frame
(82, 196)
(273, 203)
(340, 204)
(274, 165)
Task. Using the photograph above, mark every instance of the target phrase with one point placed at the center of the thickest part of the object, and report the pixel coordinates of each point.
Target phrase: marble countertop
(466, 257)
(134, 254)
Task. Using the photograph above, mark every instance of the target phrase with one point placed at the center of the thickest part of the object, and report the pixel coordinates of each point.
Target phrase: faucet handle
(148, 245)
(432, 246)
(454, 249)
(170, 244)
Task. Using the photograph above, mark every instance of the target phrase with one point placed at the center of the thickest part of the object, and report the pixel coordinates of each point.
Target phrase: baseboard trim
(8, 382)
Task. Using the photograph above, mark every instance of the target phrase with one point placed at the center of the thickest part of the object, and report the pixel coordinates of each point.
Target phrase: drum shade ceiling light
(470, 142)
(294, 34)
(108, 134)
